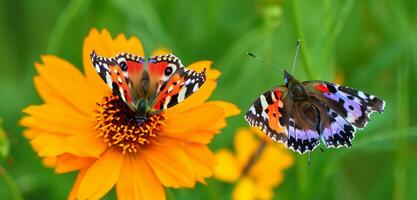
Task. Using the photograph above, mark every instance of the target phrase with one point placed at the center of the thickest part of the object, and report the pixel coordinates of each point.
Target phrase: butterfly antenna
(296, 54)
(262, 60)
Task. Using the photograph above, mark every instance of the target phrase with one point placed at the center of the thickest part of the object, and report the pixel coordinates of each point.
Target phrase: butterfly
(300, 114)
(148, 87)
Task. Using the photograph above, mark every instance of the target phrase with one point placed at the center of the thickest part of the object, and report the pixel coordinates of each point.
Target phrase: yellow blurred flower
(71, 130)
(256, 167)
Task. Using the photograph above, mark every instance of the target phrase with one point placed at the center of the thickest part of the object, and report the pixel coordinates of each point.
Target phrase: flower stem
(14, 190)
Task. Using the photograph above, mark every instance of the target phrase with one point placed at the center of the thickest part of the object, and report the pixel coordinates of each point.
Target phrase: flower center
(119, 126)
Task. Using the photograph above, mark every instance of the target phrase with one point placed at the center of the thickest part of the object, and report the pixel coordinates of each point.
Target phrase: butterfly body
(147, 86)
(300, 114)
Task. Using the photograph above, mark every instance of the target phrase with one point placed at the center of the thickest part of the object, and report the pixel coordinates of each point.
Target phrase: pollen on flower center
(118, 126)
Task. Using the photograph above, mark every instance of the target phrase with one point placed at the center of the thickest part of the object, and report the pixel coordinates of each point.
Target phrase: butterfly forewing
(182, 84)
(120, 73)
(267, 114)
(161, 69)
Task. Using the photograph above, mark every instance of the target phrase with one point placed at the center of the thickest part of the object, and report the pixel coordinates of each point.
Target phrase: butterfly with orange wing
(148, 86)
(300, 114)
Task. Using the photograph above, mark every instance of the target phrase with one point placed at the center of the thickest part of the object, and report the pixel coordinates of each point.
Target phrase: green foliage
(372, 43)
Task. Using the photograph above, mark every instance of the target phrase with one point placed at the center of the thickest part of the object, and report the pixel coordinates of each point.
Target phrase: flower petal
(31, 133)
(68, 83)
(171, 165)
(69, 162)
(138, 181)
(60, 116)
(44, 91)
(102, 43)
(52, 145)
(193, 119)
(201, 158)
(49, 161)
(74, 191)
(101, 176)
(195, 99)
(88, 143)
(269, 167)
(229, 110)
(227, 168)
(245, 145)
(245, 190)
(37, 125)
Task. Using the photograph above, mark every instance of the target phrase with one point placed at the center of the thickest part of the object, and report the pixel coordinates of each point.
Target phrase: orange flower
(78, 128)
(257, 168)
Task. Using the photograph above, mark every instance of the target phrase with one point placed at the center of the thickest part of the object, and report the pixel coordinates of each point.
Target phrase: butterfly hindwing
(267, 114)
(301, 121)
(353, 105)
(335, 130)
(182, 84)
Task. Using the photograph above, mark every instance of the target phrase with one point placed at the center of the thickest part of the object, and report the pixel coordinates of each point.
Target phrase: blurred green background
(372, 44)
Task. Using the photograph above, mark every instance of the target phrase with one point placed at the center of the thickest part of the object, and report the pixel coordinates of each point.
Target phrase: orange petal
(74, 191)
(60, 116)
(104, 45)
(199, 136)
(195, 99)
(68, 83)
(229, 110)
(193, 119)
(49, 161)
(138, 181)
(245, 190)
(245, 145)
(69, 162)
(30, 133)
(88, 143)
(171, 166)
(201, 158)
(101, 176)
(227, 168)
(45, 92)
(38, 125)
(50, 145)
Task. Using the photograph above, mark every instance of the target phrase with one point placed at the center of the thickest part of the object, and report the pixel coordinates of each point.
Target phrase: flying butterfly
(300, 114)
(148, 86)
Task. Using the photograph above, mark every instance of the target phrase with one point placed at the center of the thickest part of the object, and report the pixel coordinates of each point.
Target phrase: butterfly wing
(161, 69)
(171, 81)
(267, 113)
(120, 73)
(284, 120)
(301, 121)
(342, 109)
